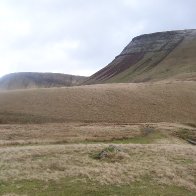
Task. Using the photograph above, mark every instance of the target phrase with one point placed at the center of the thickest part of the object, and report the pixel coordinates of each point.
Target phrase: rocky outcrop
(155, 42)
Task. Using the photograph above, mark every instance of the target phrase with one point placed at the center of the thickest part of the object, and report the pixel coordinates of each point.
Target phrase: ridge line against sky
(80, 37)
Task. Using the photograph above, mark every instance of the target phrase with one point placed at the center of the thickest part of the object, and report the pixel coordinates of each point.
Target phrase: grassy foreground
(77, 188)
(63, 159)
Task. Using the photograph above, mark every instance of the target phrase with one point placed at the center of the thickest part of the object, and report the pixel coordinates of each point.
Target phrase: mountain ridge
(139, 60)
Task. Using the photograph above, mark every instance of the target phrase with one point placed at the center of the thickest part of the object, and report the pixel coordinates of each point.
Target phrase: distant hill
(153, 57)
(28, 80)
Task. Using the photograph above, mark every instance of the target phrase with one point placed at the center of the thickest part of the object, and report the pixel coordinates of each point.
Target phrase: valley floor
(63, 159)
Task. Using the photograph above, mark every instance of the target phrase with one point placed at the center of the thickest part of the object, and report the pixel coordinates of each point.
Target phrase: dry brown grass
(65, 133)
(133, 103)
(169, 160)
(167, 164)
(126, 110)
(61, 133)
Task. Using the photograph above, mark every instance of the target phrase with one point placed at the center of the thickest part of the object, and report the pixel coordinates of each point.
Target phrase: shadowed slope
(148, 102)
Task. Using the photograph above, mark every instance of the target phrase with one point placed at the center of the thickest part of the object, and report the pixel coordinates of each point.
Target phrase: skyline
(80, 37)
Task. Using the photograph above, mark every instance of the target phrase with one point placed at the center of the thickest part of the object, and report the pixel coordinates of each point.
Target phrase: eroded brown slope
(148, 102)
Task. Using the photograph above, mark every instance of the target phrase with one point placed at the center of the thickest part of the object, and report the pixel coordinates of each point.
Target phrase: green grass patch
(71, 187)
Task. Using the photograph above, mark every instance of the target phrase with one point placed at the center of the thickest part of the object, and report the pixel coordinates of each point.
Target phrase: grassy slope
(180, 61)
(149, 102)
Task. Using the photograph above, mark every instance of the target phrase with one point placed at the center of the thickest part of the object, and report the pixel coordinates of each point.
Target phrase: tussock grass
(65, 133)
(61, 133)
(54, 162)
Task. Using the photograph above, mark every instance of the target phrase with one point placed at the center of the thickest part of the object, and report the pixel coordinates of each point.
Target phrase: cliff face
(38, 80)
(140, 60)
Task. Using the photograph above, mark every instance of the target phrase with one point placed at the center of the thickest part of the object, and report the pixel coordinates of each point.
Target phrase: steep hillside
(151, 57)
(133, 103)
(38, 80)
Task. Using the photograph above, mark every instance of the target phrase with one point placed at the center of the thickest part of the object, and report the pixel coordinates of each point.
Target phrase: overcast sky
(80, 36)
